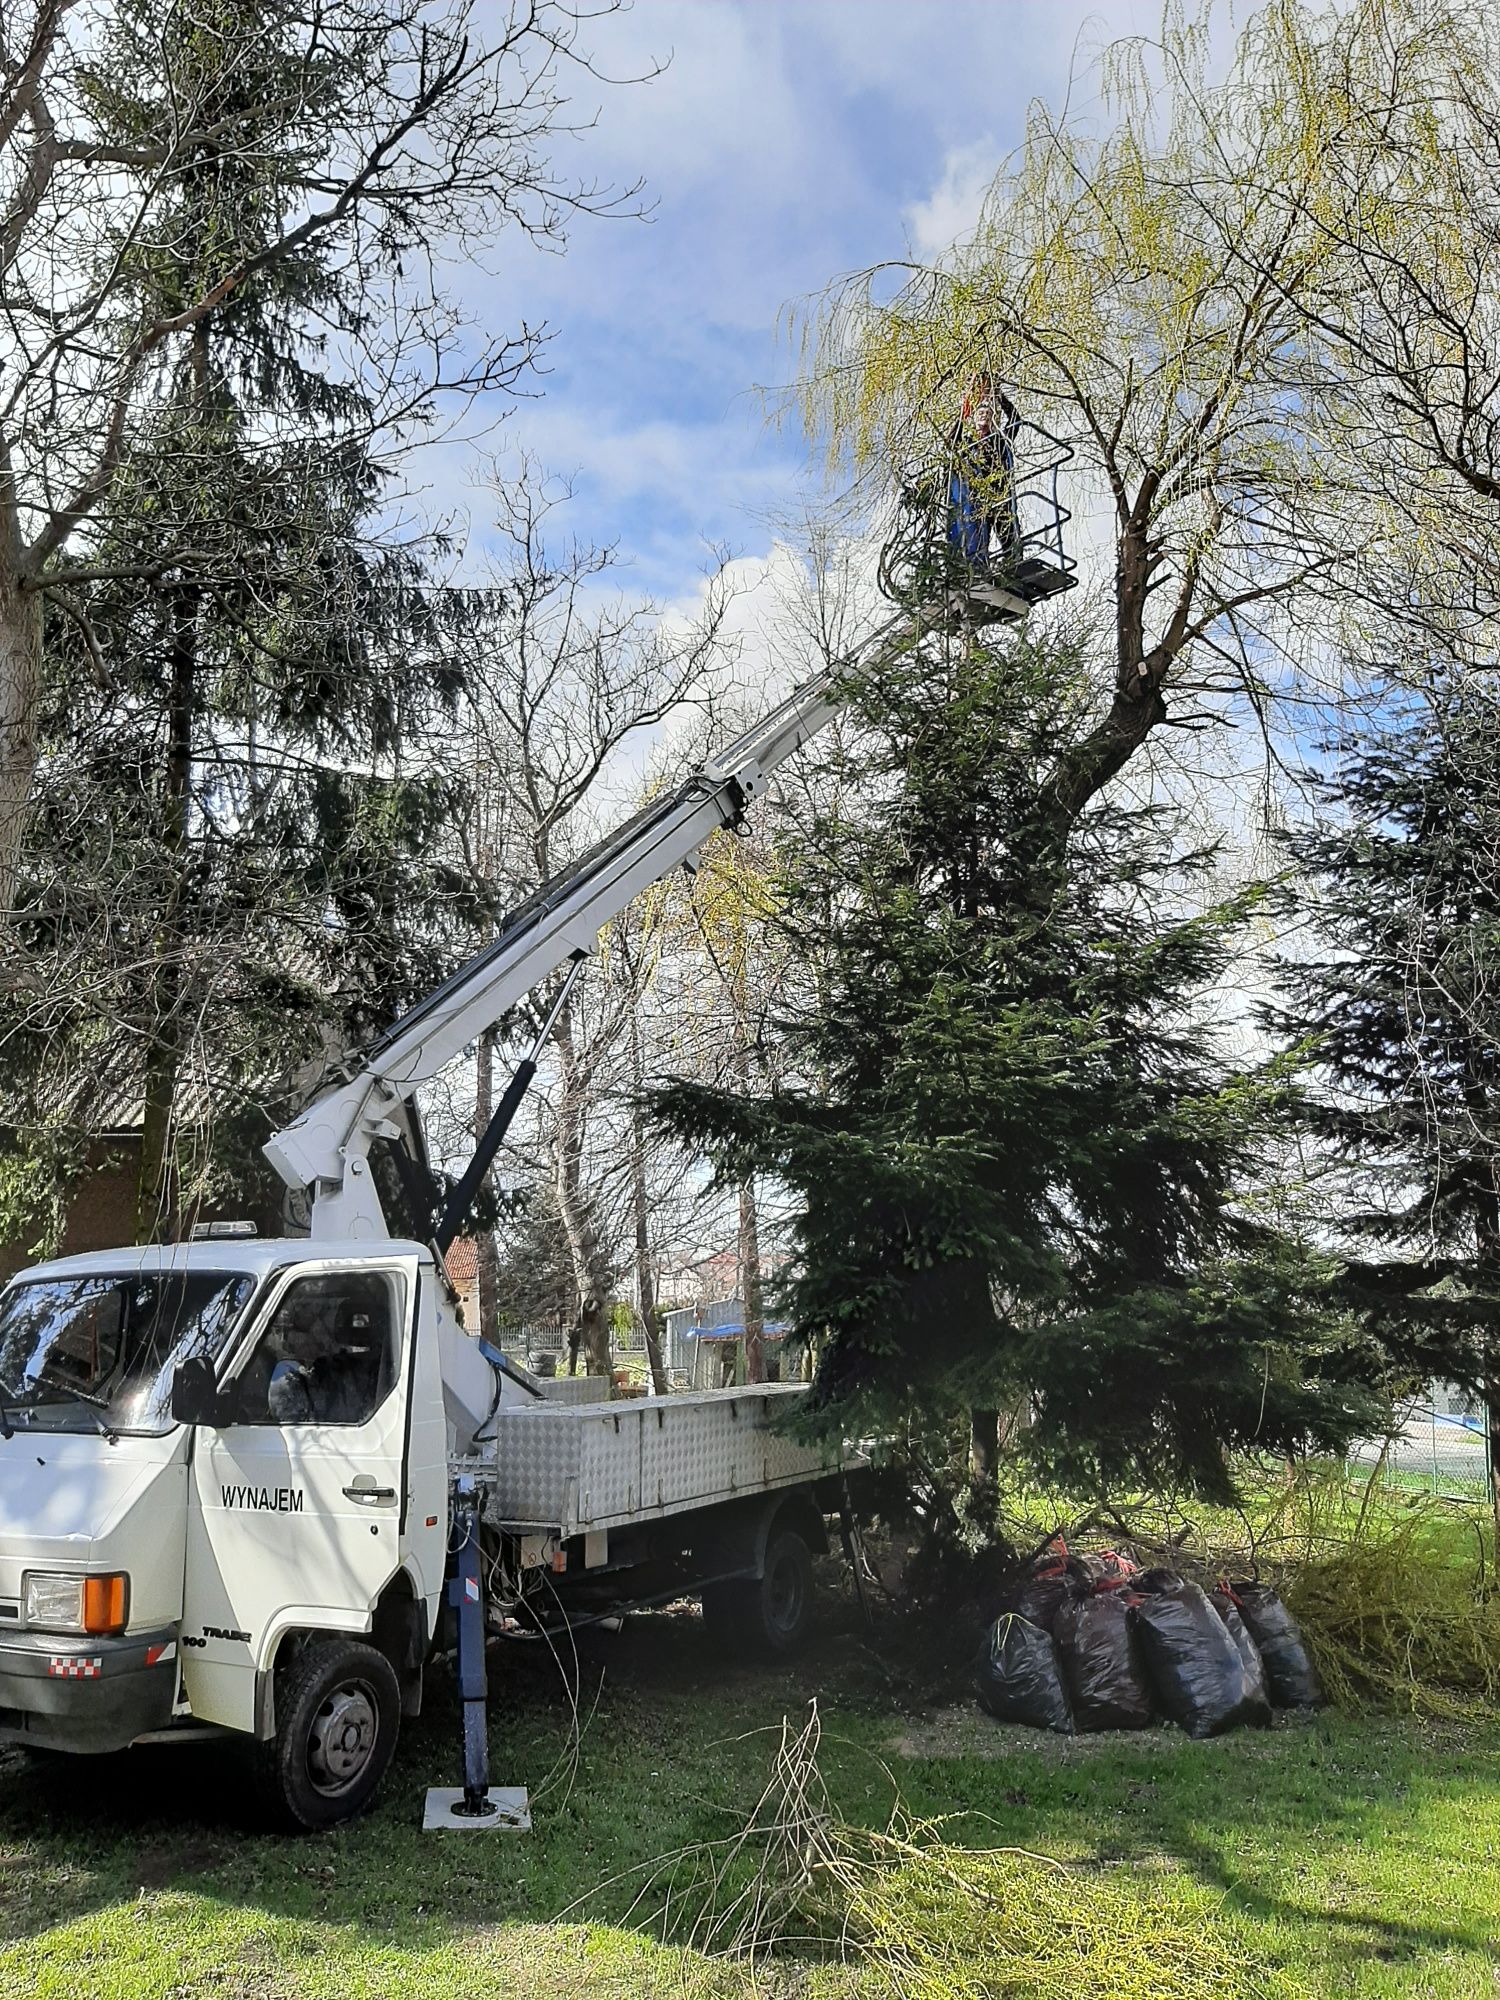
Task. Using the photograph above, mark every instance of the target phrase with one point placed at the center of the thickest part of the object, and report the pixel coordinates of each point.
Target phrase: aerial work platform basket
(977, 544)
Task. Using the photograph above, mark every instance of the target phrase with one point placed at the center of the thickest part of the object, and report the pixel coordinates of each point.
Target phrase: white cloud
(783, 145)
(725, 103)
(951, 212)
(659, 459)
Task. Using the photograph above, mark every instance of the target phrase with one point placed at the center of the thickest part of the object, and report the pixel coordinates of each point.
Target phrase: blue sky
(787, 141)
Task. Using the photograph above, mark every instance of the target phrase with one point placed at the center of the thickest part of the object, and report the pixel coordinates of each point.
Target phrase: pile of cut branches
(914, 1916)
(1404, 1615)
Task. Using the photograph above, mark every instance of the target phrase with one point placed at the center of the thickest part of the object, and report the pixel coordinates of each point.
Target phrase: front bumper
(86, 1694)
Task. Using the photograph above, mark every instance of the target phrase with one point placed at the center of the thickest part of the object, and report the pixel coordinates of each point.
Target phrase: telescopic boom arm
(325, 1152)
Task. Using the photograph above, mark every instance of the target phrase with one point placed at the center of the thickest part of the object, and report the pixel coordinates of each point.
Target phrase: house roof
(462, 1261)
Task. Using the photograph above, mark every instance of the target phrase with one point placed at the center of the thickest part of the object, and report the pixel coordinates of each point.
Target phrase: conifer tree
(362, 145)
(228, 862)
(1019, 1159)
(1399, 1002)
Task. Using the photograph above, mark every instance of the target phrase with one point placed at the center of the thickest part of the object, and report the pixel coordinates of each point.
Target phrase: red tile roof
(462, 1261)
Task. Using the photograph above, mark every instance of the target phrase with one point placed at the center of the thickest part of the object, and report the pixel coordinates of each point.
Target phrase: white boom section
(326, 1149)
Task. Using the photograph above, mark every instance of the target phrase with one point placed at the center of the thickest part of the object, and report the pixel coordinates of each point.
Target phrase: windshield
(98, 1353)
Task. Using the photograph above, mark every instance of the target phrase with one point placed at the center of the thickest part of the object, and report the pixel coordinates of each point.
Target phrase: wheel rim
(342, 1738)
(784, 1595)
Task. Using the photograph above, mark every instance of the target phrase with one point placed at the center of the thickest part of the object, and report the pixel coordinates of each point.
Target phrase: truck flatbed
(572, 1469)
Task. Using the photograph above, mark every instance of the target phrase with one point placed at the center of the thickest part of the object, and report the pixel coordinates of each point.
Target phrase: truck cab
(239, 1479)
(214, 1458)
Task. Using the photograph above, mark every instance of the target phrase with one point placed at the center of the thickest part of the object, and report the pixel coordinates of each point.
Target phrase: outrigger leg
(475, 1806)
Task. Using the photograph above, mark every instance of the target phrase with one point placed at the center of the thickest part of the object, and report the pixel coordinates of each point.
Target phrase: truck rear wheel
(766, 1615)
(338, 1712)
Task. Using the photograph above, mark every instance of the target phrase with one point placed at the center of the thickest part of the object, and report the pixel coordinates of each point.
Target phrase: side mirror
(195, 1394)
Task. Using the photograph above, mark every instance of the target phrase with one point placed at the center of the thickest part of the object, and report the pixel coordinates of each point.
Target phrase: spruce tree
(1399, 1003)
(228, 864)
(1020, 1163)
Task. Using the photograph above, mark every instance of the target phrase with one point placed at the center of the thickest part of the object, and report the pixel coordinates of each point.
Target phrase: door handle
(369, 1492)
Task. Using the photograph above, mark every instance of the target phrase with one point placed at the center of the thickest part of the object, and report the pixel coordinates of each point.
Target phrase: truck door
(297, 1504)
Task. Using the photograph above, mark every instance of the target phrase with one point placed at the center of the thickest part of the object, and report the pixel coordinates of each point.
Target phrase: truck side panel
(573, 1469)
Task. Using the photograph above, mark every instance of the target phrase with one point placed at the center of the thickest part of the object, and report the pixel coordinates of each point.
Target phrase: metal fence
(1440, 1446)
(525, 1340)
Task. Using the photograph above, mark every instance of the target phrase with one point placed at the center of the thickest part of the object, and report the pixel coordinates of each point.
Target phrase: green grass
(1341, 1855)
(1345, 1854)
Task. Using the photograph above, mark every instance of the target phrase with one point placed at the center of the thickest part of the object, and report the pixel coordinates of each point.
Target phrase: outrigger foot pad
(503, 1809)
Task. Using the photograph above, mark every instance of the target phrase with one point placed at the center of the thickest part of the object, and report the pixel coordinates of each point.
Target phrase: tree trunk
(755, 1326)
(1138, 705)
(984, 1447)
(1487, 1274)
(155, 1191)
(486, 1258)
(591, 1275)
(750, 1298)
(20, 695)
(646, 1294)
(645, 1285)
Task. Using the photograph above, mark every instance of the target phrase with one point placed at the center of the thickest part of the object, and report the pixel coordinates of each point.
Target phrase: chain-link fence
(1440, 1446)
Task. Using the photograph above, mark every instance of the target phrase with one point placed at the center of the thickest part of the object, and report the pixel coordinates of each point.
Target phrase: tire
(767, 1616)
(338, 1713)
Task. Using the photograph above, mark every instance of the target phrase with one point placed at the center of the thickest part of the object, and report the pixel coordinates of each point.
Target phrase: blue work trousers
(968, 523)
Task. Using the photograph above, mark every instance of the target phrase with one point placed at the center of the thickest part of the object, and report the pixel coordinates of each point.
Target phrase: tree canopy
(340, 147)
(1023, 1163)
(1392, 1000)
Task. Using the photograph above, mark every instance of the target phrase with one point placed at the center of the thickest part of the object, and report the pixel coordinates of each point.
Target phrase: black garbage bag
(1111, 1566)
(1197, 1676)
(1106, 1678)
(1152, 1580)
(1257, 1708)
(1020, 1677)
(1291, 1678)
(1039, 1592)
(1041, 1598)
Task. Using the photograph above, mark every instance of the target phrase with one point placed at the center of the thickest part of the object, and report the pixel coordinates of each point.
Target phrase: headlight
(96, 1605)
(55, 1602)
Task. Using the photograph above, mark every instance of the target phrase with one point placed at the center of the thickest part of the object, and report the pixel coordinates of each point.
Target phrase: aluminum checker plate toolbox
(573, 1468)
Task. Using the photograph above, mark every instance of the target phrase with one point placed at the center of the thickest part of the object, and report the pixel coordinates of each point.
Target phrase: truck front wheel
(768, 1615)
(338, 1711)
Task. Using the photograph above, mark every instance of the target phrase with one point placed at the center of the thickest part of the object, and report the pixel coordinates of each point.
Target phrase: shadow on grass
(1348, 1934)
(644, 1770)
(1364, 1834)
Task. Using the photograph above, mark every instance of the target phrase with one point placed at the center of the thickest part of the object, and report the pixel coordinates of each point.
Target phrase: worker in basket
(984, 522)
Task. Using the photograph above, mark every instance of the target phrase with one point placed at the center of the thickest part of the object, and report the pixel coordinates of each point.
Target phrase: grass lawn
(1337, 1855)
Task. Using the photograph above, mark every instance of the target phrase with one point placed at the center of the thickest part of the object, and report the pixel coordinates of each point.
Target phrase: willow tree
(1400, 362)
(980, 903)
(1158, 346)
